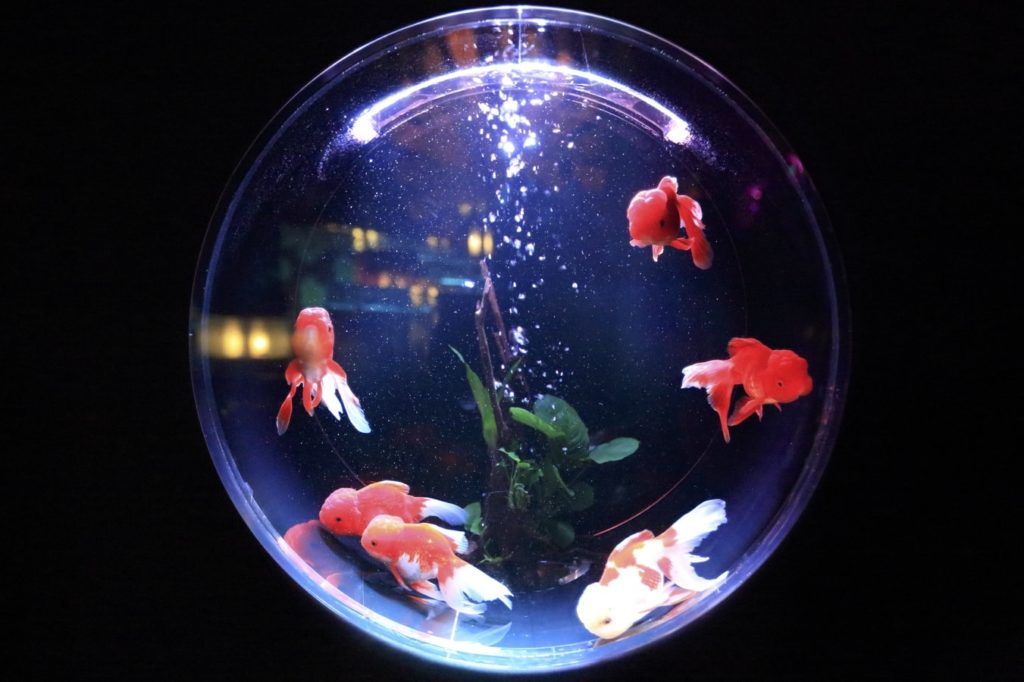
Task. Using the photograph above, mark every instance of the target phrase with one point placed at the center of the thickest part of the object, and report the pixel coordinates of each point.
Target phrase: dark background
(903, 565)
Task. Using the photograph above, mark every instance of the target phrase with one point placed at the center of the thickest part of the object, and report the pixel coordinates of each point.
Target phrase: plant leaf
(583, 496)
(473, 518)
(561, 416)
(483, 403)
(534, 422)
(614, 450)
(562, 534)
(511, 455)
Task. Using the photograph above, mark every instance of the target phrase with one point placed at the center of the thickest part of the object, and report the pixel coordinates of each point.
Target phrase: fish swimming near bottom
(417, 553)
(769, 377)
(645, 572)
(348, 511)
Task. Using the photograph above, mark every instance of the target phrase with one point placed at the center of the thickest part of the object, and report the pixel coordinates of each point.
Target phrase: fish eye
(606, 621)
(779, 382)
(337, 519)
(373, 543)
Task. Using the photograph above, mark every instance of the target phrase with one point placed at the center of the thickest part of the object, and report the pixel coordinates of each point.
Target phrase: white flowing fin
(684, 536)
(329, 388)
(355, 412)
(470, 583)
(446, 511)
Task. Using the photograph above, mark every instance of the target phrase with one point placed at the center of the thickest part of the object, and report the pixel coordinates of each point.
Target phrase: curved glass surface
(516, 136)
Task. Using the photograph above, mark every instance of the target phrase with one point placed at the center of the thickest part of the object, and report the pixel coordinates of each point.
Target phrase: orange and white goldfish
(645, 572)
(417, 553)
(316, 371)
(769, 377)
(348, 511)
(654, 219)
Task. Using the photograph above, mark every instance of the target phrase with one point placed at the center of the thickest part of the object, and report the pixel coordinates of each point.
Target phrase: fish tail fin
(446, 511)
(683, 537)
(466, 587)
(716, 377)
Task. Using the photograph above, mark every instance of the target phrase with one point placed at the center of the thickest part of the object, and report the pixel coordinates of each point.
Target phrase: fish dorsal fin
(456, 538)
(396, 485)
(635, 537)
(738, 345)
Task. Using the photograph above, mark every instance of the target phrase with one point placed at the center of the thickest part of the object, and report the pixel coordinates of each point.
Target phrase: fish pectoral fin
(650, 577)
(656, 250)
(744, 408)
(636, 242)
(681, 243)
(307, 397)
(427, 589)
(284, 415)
(398, 577)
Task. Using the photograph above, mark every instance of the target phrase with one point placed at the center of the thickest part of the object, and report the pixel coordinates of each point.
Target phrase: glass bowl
(456, 190)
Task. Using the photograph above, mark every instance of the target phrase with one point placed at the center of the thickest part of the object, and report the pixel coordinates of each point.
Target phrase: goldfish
(348, 511)
(316, 371)
(645, 572)
(417, 553)
(769, 377)
(654, 219)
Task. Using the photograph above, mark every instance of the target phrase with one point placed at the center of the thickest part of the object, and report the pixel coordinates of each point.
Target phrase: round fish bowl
(495, 294)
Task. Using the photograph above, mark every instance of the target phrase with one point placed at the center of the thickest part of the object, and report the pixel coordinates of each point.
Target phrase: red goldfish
(348, 511)
(316, 371)
(645, 572)
(769, 377)
(417, 553)
(654, 219)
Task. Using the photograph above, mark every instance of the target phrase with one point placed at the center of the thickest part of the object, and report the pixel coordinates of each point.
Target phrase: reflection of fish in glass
(769, 377)
(645, 572)
(347, 511)
(417, 553)
(316, 371)
(654, 220)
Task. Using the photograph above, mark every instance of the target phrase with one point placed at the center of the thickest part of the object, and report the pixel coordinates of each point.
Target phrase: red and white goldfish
(348, 511)
(654, 219)
(316, 371)
(769, 377)
(417, 553)
(645, 572)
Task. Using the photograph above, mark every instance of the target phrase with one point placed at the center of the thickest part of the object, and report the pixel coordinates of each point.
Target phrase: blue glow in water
(516, 138)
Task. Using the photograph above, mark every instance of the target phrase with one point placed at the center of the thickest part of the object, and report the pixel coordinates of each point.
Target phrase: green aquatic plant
(538, 456)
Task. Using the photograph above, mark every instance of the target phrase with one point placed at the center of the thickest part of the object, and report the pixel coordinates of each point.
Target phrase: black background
(903, 565)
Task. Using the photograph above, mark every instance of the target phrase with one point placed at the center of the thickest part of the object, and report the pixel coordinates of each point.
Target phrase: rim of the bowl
(827, 431)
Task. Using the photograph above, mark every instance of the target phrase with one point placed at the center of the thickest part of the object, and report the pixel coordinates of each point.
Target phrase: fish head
(381, 539)
(313, 338)
(340, 513)
(647, 217)
(605, 611)
(785, 378)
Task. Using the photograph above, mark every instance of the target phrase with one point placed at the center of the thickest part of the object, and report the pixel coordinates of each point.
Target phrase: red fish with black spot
(655, 216)
(769, 377)
(417, 553)
(322, 379)
(348, 511)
